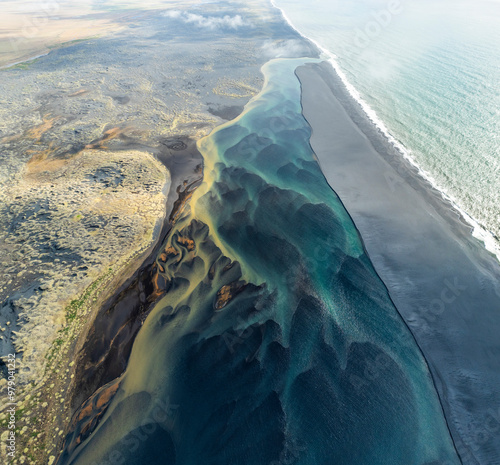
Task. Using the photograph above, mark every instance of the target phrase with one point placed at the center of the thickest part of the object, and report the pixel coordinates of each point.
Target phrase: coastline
(381, 229)
(480, 232)
(27, 60)
(438, 275)
(199, 320)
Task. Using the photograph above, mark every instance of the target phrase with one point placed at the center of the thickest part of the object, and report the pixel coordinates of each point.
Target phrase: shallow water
(276, 341)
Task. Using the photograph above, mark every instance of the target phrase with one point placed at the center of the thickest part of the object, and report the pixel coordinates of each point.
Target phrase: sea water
(428, 74)
(275, 341)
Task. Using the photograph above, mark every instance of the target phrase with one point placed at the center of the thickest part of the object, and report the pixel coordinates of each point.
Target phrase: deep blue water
(276, 341)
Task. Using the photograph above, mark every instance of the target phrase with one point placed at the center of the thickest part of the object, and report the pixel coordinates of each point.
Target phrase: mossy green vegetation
(23, 65)
(71, 42)
(73, 310)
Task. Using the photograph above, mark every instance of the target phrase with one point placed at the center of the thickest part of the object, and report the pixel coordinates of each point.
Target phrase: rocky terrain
(89, 176)
(70, 221)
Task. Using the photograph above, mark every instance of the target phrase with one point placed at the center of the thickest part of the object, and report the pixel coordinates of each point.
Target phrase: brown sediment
(183, 198)
(40, 158)
(224, 296)
(227, 293)
(92, 411)
(79, 93)
(170, 251)
(38, 131)
(186, 242)
(40, 162)
(85, 411)
(97, 401)
(102, 352)
(159, 285)
(108, 135)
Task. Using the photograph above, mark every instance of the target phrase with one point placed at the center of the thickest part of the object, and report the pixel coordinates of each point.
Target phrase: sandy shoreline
(442, 280)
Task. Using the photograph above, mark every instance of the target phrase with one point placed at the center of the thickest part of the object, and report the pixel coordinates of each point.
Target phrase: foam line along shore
(479, 231)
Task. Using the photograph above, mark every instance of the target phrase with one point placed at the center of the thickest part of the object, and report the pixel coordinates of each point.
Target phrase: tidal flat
(98, 150)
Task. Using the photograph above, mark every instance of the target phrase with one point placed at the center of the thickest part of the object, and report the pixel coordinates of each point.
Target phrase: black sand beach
(442, 280)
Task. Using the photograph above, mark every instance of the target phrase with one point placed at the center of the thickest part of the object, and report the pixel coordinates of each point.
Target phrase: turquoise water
(430, 69)
(275, 342)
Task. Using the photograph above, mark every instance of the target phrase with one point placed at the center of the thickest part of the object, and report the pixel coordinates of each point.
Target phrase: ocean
(268, 347)
(275, 340)
(428, 75)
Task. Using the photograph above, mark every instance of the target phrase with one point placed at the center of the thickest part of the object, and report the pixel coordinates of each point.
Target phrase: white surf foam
(478, 231)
